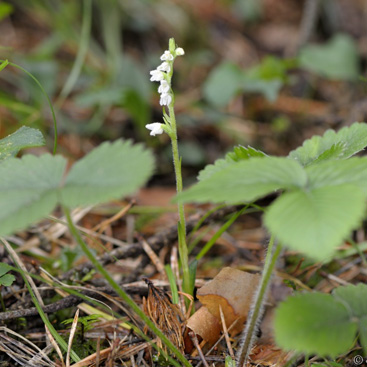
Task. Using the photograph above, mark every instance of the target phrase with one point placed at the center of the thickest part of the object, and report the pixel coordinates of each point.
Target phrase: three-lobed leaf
(332, 145)
(247, 181)
(25, 137)
(314, 323)
(323, 324)
(31, 187)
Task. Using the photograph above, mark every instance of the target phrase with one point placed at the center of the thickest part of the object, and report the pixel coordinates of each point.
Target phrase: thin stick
(194, 339)
(103, 225)
(225, 332)
(153, 256)
(71, 336)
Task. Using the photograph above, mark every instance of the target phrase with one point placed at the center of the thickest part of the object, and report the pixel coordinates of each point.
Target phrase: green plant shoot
(163, 74)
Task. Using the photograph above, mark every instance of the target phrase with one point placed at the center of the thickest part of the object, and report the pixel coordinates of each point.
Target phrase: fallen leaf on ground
(233, 290)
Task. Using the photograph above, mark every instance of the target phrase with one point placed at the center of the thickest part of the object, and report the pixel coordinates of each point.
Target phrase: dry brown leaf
(204, 324)
(233, 290)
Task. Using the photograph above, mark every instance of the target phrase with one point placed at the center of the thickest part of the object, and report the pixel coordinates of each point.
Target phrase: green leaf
(267, 77)
(4, 268)
(24, 137)
(247, 181)
(240, 153)
(315, 221)
(108, 172)
(268, 88)
(222, 84)
(271, 68)
(7, 280)
(314, 324)
(337, 59)
(28, 190)
(227, 80)
(341, 145)
(333, 173)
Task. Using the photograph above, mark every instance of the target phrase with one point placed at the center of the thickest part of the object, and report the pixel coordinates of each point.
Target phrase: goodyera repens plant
(163, 74)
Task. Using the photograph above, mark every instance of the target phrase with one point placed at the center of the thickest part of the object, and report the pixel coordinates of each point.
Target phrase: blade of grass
(220, 231)
(172, 284)
(4, 64)
(82, 52)
(202, 219)
(359, 251)
(198, 238)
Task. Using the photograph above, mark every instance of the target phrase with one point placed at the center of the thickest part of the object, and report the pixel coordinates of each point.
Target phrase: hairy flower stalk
(257, 307)
(163, 74)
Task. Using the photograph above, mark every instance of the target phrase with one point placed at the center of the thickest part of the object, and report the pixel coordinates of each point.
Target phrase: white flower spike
(156, 76)
(164, 87)
(165, 100)
(167, 56)
(180, 51)
(155, 128)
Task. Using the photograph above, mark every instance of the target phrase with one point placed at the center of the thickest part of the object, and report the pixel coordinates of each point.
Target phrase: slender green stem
(176, 161)
(182, 245)
(258, 303)
(74, 231)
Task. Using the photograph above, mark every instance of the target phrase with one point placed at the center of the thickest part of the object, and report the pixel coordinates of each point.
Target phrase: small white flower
(167, 56)
(164, 87)
(165, 66)
(156, 76)
(156, 128)
(165, 100)
(180, 51)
